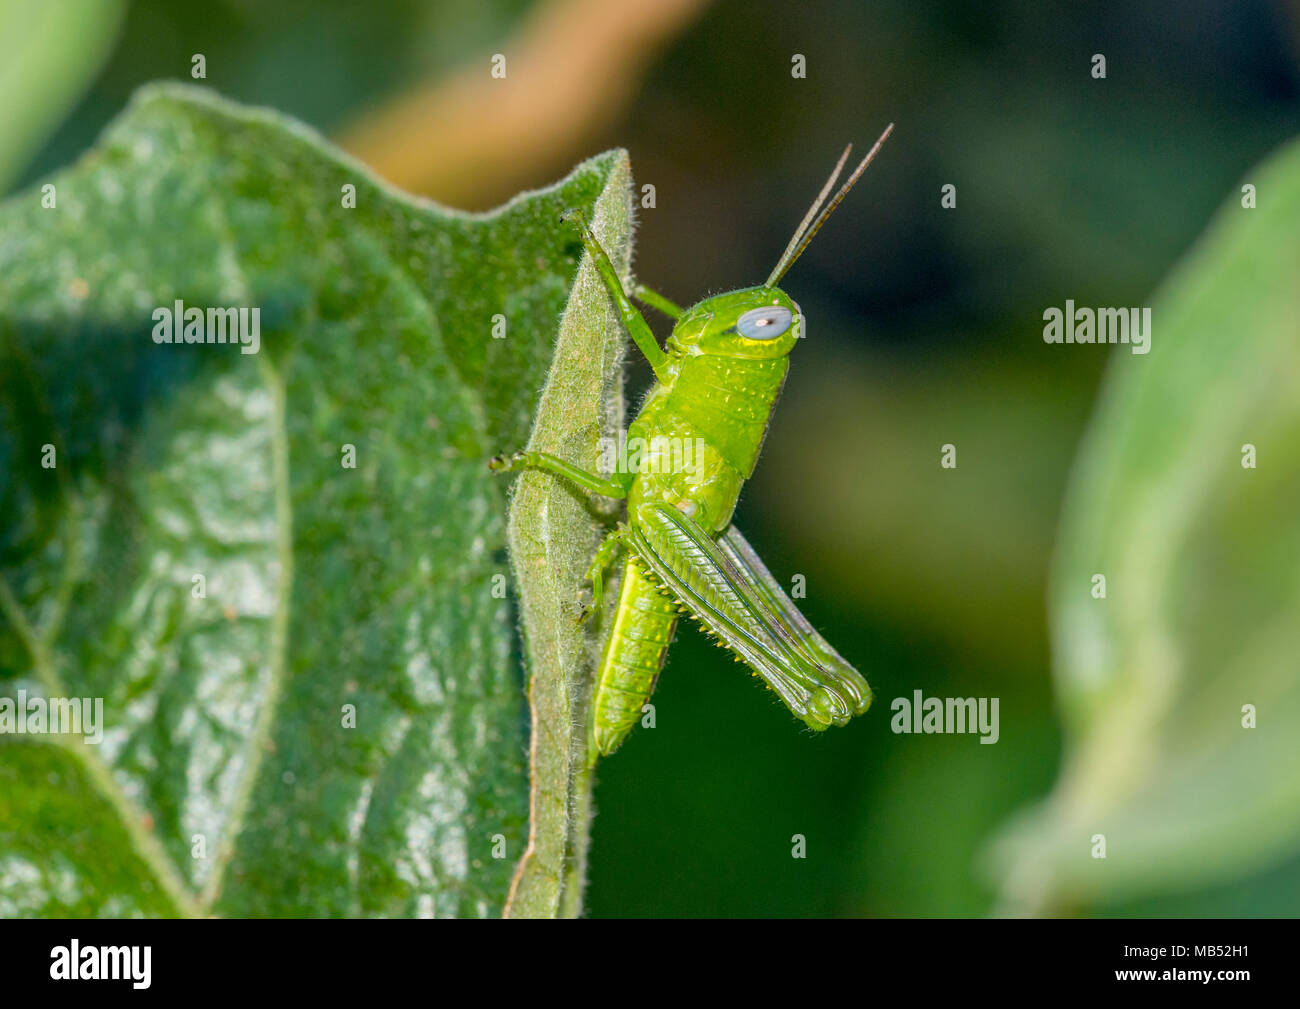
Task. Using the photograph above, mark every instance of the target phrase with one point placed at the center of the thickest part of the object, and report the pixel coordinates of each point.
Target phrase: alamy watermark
(1103, 325)
(919, 714)
(178, 324)
(37, 715)
(75, 962)
(659, 454)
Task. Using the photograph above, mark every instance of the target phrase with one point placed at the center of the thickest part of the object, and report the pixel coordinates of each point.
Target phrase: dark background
(924, 328)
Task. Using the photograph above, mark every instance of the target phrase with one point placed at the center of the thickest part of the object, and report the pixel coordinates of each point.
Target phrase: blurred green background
(924, 328)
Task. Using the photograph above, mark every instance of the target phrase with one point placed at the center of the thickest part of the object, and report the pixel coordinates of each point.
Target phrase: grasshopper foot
(588, 608)
(504, 463)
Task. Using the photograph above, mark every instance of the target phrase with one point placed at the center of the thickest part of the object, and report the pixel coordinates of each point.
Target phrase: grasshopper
(716, 383)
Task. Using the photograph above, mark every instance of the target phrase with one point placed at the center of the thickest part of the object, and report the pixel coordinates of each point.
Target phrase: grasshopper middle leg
(605, 554)
(548, 463)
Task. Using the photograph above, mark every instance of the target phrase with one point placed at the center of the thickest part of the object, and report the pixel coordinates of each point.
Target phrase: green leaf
(1201, 557)
(324, 586)
(554, 531)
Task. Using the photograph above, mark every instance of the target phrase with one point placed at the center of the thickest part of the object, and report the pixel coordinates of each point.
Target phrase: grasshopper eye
(764, 323)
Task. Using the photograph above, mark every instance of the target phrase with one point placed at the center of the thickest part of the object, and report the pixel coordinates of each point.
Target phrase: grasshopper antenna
(805, 232)
(783, 263)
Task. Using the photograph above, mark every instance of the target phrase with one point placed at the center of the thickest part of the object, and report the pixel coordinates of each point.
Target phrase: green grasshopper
(716, 383)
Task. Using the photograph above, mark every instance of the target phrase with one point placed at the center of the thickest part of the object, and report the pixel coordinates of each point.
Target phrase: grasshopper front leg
(656, 300)
(631, 315)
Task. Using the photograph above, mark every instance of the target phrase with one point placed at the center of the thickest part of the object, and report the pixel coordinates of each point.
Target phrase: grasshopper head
(755, 323)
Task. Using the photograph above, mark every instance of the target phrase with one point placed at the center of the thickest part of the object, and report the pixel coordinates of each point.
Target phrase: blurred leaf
(49, 53)
(326, 586)
(465, 135)
(1202, 563)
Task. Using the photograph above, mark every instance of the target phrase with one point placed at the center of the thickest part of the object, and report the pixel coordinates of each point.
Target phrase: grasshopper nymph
(716, 382)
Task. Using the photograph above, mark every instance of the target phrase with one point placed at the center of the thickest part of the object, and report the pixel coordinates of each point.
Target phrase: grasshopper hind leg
(643, 626)
(728, 589)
